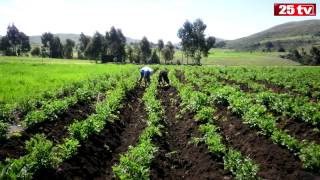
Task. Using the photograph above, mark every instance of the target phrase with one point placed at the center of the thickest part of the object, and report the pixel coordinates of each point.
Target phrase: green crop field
(21, 81)
(68, 120)
(226, 57)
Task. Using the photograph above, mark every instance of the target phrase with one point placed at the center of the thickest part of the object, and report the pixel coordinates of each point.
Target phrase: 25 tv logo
(295, 9)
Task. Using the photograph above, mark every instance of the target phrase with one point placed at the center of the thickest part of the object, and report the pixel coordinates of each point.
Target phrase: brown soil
(55, 130)
(300, 130)
(97, 155)
(275, 162)
(243, 87)
(177, 158)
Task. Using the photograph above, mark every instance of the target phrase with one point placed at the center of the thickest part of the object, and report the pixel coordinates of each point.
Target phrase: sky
(155, 19)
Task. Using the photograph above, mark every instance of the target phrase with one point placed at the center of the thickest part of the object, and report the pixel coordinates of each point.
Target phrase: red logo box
(304, 9)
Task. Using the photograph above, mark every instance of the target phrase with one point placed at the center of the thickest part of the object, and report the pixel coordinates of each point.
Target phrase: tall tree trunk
(181, 58)
(187, 59)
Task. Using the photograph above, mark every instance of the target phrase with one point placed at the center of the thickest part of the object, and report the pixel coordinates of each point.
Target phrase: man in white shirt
(145, 73)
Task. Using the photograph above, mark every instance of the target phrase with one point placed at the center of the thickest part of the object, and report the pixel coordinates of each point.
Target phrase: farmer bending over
(145, 73)
(163, 77)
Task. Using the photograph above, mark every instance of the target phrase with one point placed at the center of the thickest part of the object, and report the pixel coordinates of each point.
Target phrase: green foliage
(286, 140)
(3, 129)
(136, 162)
(94, 48)
(39, 156)
(36, 51)
(114, 45)
(247, 170)
(193, 40)
(15, 42)
(205, 114)
(310, 156)
(154, 58)
(168, 52)
(64, 151)
(145, 48)
(313, 58)
(213, 139)
(68, 49)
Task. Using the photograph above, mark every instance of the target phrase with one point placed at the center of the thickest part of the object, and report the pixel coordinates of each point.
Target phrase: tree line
(15, 42)
(311, 58)
(111, 46)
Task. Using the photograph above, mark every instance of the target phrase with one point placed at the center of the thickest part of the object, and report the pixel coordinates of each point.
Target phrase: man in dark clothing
(163, 77)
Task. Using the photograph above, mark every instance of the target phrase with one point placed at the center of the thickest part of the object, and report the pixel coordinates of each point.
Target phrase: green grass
(39, 60)
(21, 81)
(226, 57)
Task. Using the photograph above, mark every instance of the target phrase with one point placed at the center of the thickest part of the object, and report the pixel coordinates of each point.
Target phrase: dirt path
(177, 158)
(275, 162)
(97, 155)
(55, 130)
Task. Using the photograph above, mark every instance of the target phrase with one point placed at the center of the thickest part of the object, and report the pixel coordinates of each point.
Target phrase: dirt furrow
(177, 157)
(275, 162)
(281, 89)
(299, 130)
(243, 87)
(14, 147)
(296, 128)
(97, 155)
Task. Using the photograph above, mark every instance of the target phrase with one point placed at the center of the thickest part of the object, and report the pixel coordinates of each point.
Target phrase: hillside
(288, 35)
(36, 40)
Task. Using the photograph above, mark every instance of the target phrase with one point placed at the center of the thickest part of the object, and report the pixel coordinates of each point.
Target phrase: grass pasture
(225, 57)
(39, 60)
(21, 81)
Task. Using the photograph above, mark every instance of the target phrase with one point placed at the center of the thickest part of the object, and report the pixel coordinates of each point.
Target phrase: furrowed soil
(296, 128)
(280, 89)
(177, 157)
(14, 147)
(243, 87)
(275, 162)
(97, 155)
(300, 130)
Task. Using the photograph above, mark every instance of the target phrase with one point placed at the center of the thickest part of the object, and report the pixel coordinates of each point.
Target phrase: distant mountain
(36, 40)
(288, 35)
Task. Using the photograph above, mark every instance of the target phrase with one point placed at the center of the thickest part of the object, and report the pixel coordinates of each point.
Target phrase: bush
(36, 51)
(281, 49)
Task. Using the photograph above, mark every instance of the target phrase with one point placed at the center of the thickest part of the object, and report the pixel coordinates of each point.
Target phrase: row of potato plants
(305, 81)
(195, 101)
(42, 153)
(135, 163)
(257, 115)
(299, 108)
(51, 109)
(7, 111)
